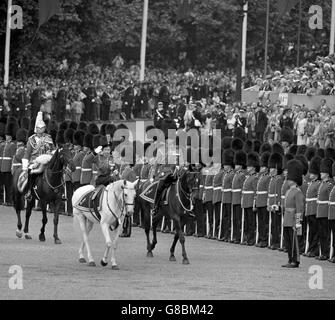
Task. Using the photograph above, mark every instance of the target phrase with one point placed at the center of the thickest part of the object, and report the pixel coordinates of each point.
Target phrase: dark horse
(178, 209)
(49, 185)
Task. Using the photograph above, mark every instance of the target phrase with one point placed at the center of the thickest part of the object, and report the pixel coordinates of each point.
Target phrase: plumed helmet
(93, 129)
(294, 171)
(73, 125)
(293, 149)
(287, 157)
(60, 139)
(78, 138)
(253, 160)
(301, 149)
(314, 166)
(237, 144)
(326, 166)
(265, 147)
(276, 162)
(64, 125)
(240, 158)
(310, 153)
(88, 141)
(22, 135)
(228, 157)
(39, 124)
(286, 135)
(247, 148)
(239, 133)
(256, 146)
(82, 126)
(277, 148)
(68, 135)
(96, 141)
(265, 159)
(226, 143)
(304, 163)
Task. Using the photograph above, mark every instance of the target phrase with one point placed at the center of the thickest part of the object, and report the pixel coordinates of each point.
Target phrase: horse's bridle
(186, 194)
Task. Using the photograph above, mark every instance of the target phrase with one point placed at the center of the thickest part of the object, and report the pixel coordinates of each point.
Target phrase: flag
(47, 8)
(184, 9)
(284, 6)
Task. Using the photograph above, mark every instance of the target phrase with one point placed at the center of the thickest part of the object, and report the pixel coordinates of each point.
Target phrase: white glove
(116, 172)
(98, 149)
(25, 163)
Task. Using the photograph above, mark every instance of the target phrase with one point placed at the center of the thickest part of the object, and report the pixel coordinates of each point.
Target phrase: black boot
(28, 195)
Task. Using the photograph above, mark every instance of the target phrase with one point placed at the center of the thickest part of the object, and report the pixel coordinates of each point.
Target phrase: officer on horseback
(38, 144)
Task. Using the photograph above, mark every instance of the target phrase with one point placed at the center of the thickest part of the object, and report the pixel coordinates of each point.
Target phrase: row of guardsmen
(242, 201)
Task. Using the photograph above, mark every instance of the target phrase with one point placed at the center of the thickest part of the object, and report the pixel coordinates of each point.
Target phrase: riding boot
(28, 195)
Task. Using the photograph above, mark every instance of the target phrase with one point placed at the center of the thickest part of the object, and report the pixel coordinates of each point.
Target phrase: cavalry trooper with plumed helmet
(38, 144)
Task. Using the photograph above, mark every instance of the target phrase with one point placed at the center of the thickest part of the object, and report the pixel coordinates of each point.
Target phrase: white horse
(117, 201)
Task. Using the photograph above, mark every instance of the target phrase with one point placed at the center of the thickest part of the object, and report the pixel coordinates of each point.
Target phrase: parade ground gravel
(217, 271)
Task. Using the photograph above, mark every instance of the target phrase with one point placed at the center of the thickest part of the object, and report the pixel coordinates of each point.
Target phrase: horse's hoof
(116, 267)
(91, 264)
(82, 260)
(103, 263)
(42, 237)
(27, 236)
(19, 234)
(57, 241)
(172, 258)
(150, 254)
(185, 261)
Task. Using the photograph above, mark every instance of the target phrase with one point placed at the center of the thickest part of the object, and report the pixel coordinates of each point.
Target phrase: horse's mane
(53, 159)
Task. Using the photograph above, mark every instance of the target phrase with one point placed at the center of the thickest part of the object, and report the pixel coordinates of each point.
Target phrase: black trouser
(291, 241)
(226, 221)
(8, 183)
(217, 210)
(302, 238)
(275, 228)
(208, 210)
(323, 235)
(250, 225)
(332, 228)
(263, 222)
(126, 226)
(76, 185)
(1, 187)
(237, 221)
(313, 245)
(69, 194)
(200, 217)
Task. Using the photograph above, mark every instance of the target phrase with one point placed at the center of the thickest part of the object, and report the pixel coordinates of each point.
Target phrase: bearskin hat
(68, 135)
(304, 163)
(11, 128)
(247, 146)
(96, 141)
(310, 153)
(78, 138)
(301, 149)
(277, 148)
(52, 125)
(265, 147)
(256, 146)
(265, 159)
(240, 158)
(73, 125)
(110, 129)
(88, 141)
(53, 134)
(228, 157)
(276, 162)
(93, 129)
(239, 133)
(226, 143)
(253, 160)
(314, 166)
(330, 153)
(103, 129)
(60, 139)
(63, 126)
(293, 149)
(103, 141)
(326, 166)
(237, 144)
(2, 129)
(82, 126)
(22, 135)
(121, 126)
(25, 123)
(3, 120)
(287, 157)
(286, 135)
(148, 128)
(294, 171)
(320, 153)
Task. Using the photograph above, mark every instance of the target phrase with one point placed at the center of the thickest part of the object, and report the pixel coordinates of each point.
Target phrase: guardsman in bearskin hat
(327, 184)
(274, 199)
(248, 200)
(3, 122)
(86, 165)
(261, 201)
(227, 181)
(78, 144)
(287, 137)
(293, 213)
(7, 155)
(21, 140)
(312, 246)
(240, 160)
(331, 221)
(38, 144)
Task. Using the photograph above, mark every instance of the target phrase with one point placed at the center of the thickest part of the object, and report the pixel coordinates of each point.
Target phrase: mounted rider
(38, 144)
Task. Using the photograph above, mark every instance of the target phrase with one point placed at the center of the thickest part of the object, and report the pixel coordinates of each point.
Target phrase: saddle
(92, 202)
(149, 193)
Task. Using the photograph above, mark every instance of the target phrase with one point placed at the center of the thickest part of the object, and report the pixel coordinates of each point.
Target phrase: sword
(242, 229)
(270, 222)
(220, 223)
(331, 245)
(307, 239)
(282, 231)
(231, 223)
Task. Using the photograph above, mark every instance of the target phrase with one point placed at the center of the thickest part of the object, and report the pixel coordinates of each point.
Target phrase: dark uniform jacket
(312, 197)
(323, 198)
(237, 184)
(262, 190)
(249, 191)
(294, 204)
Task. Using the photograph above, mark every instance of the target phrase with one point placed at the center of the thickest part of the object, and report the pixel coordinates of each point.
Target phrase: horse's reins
(188, 196)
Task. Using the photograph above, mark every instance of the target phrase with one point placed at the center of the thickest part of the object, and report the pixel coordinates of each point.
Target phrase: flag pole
(266, 38)
(7, 46)
(332, 30)
(244, 37)
(144, 38)
(299, 34)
